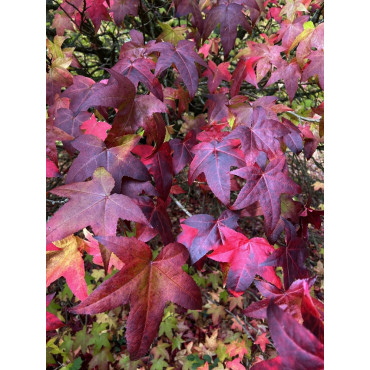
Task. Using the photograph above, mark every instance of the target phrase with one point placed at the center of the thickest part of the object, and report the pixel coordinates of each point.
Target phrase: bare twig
(304, 118)
(180, 205)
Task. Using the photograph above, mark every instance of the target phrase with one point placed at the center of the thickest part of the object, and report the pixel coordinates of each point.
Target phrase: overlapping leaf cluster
(130, 135)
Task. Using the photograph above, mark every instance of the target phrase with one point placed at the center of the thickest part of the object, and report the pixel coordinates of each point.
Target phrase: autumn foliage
(173, 130)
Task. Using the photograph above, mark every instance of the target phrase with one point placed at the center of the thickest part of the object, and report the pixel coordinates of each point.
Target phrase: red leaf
(245, 257)
(244, 72)
(118, 161)
(139, 70)
(146, 285)
(52, 322)
(67, 261)
(51, 169)
(214, 160)
(290, 73)
(121, 8)
(266, 186)
(289, 300)
(182, 154)
(69, 122)
(91, 204)
(215, 74)
(297, 347)
(315, 67)
(262, 341)
(159, 165)
(228, 15)
(202, 233)
(292, 257)
(96, 128)
(260, 135)
(183, 57)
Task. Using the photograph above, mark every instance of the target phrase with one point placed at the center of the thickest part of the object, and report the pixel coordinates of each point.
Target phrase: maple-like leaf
(215, 74)
(79, 92)
(291, 8)
(228, 15)
(91, 204)
(266, 186)
(293, 139)
(218, 108)
(97, 11)
(244, 257)
(51, 169)
(315, 67)
(244, 71)
(185, 7)
(182, 154)
(146, 285)
(202, 233)
(52, 322)
(268, 55)
(157, 215)
(183, 57)
(290, 73)
(143, 111)
(139, 70)
(262, 340)
(214, 160)
(96, 128)
(61, 22)
(159, 165)
(121, 8)
(117, 93)
(69, 122)
(290, 30)
(54, 134)
(292, 257)
(298, 348)
(118, 160)
(261, 135)
(289, 300)
(101, 255)
(66, 260)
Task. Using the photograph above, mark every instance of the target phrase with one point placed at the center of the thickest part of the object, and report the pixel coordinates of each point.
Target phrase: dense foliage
(184, 143)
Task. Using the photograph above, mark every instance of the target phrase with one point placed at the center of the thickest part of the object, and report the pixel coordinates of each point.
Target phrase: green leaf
(82, 340)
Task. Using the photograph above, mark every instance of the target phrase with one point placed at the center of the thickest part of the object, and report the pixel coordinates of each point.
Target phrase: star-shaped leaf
(146, 285)
(183, 57)
(244, 257)
(214, 160)
(118, 160)
(91, 204)
(266, 186)
(66, 260)
(202, 233)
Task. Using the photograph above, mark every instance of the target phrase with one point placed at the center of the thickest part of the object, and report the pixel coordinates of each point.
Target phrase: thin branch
(304, 118)
(180, 205)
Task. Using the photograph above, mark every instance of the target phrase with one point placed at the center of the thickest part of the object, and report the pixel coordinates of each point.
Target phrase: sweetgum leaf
(121, 8)
(215, 74)
(67, 261)
(289, 300)
(292, 257)
(214, 160)
(183, 57)
(202, 233)
(118, 160)
(159, 165)
(91, 204)
(146, 285)
(266, 186)
(260, 135)
(182, 154)
(52, 322)
(228, 15)
(298, 348)
(244, 257)
(67, 121)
